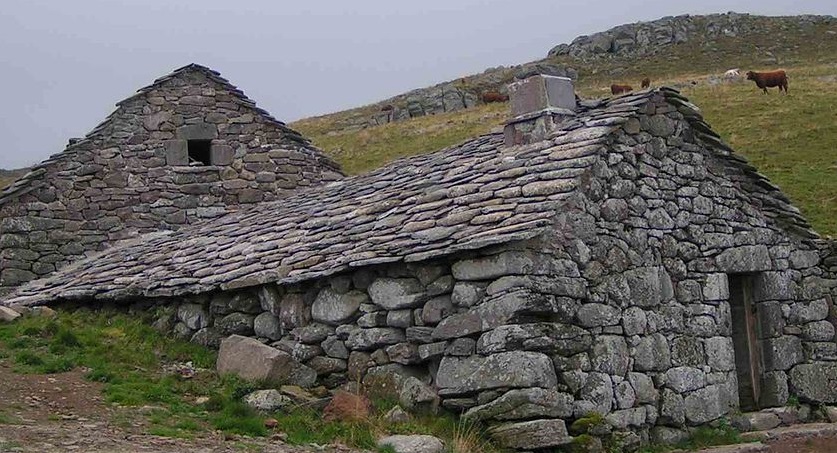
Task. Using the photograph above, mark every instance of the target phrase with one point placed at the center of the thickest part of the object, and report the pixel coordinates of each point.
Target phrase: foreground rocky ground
(64, 412)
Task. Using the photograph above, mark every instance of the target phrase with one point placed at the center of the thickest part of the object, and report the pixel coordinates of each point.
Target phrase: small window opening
(199, 152)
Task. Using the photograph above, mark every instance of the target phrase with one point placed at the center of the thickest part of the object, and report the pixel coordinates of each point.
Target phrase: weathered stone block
(467, 294)
(782, 353)
(596, 395)
(221, 154)
(523, 404)
(535, 434)
(400, 318)
(436, 309)
(194, 316)
(267, 326)
(551, 338)
(236, 323)
(374, 338)
(177, 153)
(716, 287)
(685, 379)
(610, 355)
(506, 369)
(818, 331)
(414, 443)
(254, 361)
(720, 355)
(774, 389)
(746, 258)
(598, 315)
(512, 263)
(672, 408)
(687, 351)
(707, 404)
(804, 312)
(634, 321)
(333, 308)
(199, 131)
(652, 353)
(395, 293)
(774, 286)
(815, 382)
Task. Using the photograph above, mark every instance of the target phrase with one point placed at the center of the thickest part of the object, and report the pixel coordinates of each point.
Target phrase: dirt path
(65, 413)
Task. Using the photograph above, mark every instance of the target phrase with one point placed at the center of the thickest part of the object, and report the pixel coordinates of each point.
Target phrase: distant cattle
(732, 73)
(646, 82)
(493, 96)
(387, 108)
(765, 80)
(619, 89)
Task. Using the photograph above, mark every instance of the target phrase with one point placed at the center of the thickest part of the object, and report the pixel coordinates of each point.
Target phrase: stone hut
(609, 256)
(188, 147)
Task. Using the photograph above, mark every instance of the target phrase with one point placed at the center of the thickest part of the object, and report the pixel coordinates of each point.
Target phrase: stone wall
(625, 308)
(132, 175)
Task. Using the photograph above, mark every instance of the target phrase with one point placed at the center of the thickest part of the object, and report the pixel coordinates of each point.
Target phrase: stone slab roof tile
(466, 197)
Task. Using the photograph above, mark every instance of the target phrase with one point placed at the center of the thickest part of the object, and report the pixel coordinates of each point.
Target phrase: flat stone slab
(793, 432)
(754, 447)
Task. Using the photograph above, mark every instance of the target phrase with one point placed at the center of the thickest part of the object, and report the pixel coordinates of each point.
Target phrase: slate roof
(469, 196)
(25, 183)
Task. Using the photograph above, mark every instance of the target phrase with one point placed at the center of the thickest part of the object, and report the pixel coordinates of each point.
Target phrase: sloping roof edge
(26, 183)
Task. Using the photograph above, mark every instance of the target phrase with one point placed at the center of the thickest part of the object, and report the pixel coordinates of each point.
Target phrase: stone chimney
(538, 104)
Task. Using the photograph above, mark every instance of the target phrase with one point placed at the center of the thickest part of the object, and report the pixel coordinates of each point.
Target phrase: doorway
(745, 340)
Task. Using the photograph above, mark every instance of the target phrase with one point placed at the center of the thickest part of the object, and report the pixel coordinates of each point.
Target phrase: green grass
(126, 355)
(361, 151)
(791, 139)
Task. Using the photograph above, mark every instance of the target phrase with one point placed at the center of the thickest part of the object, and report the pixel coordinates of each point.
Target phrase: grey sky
(65, 63)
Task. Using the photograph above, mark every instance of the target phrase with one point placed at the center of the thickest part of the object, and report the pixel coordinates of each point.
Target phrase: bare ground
(64, 412)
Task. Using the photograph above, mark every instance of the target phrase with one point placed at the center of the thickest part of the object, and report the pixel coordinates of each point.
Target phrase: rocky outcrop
(642, 39)
(451, 96)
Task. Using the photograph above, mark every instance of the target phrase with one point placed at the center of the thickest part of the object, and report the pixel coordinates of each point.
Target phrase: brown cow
(646, 82)
(493, 96)
(387, 108)
(765, 80)
(619, 89)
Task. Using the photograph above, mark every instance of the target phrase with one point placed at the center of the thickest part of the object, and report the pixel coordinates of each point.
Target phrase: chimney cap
(540, 93)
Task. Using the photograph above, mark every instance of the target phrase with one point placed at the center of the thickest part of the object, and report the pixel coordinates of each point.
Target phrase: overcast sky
(65, 63)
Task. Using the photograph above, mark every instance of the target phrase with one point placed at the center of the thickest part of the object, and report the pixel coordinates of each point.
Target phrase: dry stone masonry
(134, 173)
(626, 263)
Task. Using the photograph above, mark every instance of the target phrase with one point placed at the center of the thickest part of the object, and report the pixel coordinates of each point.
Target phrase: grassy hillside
(9, 176)
(792, 139)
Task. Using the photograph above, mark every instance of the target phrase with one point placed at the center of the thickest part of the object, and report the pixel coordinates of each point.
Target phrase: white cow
(732, 73)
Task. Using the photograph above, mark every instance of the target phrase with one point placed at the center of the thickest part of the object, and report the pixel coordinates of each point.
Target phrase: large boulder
(8, 315)
(506, 369)
(251, 360)
(534, 434)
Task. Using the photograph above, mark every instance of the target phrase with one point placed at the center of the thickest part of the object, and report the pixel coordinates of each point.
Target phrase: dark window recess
(199, 152)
